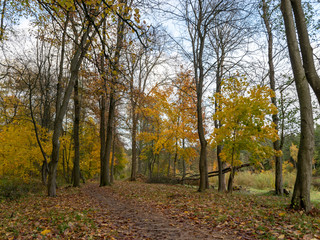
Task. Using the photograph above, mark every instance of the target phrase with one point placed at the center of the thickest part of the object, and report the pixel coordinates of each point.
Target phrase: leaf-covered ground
(135, 210)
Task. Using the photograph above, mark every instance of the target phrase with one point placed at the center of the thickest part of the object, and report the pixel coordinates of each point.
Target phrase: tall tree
(114, 64)
(276, 145)
(301, 192)
(76, 137)
(141, 62)
(62, 98)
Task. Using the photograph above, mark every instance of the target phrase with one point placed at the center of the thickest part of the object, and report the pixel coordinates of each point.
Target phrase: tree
(226, 37)
(141, 60)
(244, 126)
(114, 69)
(301, 193)
(62, 100)
(275, 118)
(305, 48)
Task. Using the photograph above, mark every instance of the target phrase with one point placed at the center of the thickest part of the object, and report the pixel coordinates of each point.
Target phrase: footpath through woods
(129, 219)
(138, 210)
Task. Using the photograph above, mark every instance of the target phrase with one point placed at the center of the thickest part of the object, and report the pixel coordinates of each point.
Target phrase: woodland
(152, 119)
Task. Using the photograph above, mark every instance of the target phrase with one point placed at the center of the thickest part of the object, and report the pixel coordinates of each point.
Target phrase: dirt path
(129, 219)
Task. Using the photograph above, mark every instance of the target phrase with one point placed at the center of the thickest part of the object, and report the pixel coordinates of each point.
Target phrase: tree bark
(134, 138)
(105, 175)
(102, 136)
(222, 180)
(76, 129)
(3, 11)
(275, 118)
(112, 161)
(305, 47)
(105, 172)
(301, 192)
(231, 177)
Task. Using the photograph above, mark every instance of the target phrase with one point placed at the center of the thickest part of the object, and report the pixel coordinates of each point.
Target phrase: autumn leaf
(45, 232)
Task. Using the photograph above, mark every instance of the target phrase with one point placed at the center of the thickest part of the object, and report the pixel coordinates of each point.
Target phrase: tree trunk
(169, 165)
(105, 172)
(305, 47)
(301, 193)
(105, 176)
(203, 144)
(44, 172)
(112, 162)
(2, 27)
(134, 141)
(76, 129)
(275, 118)
(44, 169)
(102, 136)
(175, 163)
(222, 179)
(231, 177)
(63, 105)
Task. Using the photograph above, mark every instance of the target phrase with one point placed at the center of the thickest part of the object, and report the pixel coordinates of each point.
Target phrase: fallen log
(215, 173)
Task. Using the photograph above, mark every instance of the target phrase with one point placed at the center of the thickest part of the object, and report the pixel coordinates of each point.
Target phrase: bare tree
(301, 193)
(200, 17)
(276, 145)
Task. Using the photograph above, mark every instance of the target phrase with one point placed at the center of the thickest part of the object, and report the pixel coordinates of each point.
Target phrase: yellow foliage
(20, 154)
(243, 115)
(294, 152)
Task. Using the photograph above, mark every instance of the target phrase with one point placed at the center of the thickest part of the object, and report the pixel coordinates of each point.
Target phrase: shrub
(13, 189)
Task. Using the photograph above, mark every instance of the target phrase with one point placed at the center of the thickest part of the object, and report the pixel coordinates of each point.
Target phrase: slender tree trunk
(231, 177)
(112, 162)
(221, 176)
(183, 163)
(102, 136)
(203, 146)
(62, 104)
(105, 176)
(3, 11)
(44, 169)
(301, 193)
(139, 159)
(76, 129)
(64, 165)
(169, 165)
(275, 118)
(105, 173)
(219, 75)
(44, 172)
(134, 141)
(175, 163)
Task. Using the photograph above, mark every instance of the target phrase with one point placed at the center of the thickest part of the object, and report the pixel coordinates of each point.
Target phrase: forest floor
(137, 210)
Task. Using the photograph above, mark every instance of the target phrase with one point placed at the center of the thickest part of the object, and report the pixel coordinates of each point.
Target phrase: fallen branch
(216, 173)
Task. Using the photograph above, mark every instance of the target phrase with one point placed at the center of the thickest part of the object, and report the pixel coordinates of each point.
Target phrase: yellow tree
(244, 125)
(182, 119)
(156, 135)
(170, 113)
